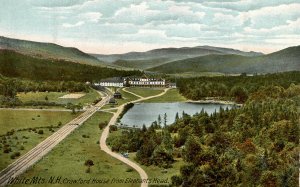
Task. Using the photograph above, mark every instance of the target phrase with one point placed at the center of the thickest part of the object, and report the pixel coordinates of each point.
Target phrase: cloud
(291, 27)
(58, 3)
(69, 25)
(269, 17)
(91, 16)
(155, 22)
(247, 5)
(145, 13)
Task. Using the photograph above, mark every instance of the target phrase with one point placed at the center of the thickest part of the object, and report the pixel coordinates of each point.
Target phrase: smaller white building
(111, 82)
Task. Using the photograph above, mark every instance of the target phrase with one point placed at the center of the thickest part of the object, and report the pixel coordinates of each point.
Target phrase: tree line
(9, 87)
(236, 88)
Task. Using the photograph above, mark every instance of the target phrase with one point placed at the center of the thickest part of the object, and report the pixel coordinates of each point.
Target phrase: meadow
(68, 158)
(88, 98)
(145, 92)
(21, 130)
(172, 95)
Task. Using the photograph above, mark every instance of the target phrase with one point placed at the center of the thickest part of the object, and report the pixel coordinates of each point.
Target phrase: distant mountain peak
(142, 60)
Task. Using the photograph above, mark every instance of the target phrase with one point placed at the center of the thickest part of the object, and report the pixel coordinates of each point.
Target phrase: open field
(57, 97)
(145, 92)
(72, 96)
(23, 139)
(171, 96)
(19, 119)
(21, 142)
(68, 158)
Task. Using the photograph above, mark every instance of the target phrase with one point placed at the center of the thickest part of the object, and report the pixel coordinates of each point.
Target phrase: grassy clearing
(27, 125)
(145, 92)
(172, 95)
(55, 97)
(21, 142)
(19, 119)
(68, 158)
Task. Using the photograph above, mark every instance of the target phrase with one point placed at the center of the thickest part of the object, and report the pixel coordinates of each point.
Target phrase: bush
(176, 180)
(40, 132)
(102, 125)
(129, 170)
(12, 156)
(113, 128)
(22, 147)
(7, 150)
(17, 154)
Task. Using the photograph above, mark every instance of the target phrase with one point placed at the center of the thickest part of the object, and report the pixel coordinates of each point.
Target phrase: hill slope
(284, 60)
(13, 64)
(156, 57)
(48, 51)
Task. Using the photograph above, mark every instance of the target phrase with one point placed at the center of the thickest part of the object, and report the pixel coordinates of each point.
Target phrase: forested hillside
(13, 64)
(281, 61)
(48, 51)
(236, 88)
(252, 145)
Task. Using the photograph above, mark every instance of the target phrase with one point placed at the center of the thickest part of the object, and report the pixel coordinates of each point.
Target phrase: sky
(119, 26)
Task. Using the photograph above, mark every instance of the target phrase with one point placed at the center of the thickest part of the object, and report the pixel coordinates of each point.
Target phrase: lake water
(146, 113)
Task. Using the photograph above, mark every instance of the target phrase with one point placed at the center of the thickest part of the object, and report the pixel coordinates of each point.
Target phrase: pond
(146, 113)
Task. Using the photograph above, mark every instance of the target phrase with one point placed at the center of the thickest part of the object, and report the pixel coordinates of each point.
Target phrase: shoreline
(212, 101)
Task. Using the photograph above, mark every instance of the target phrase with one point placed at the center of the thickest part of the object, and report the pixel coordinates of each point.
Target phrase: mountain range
(157, 57)
(284, 60)
(165, 60)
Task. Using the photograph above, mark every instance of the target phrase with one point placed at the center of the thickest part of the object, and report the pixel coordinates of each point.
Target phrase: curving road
(35, 154)
(105, 133)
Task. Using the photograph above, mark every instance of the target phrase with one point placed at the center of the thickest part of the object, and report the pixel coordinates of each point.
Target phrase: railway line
(43, 148)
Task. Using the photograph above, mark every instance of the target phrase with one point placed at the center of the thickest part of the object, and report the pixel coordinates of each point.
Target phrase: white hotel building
(132, 81)
(145, 82)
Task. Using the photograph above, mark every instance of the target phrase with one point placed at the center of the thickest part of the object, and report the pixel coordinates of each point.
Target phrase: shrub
(40, 132)
(12, 156)
(113, 128)
(7, 150)
(129, 170)
(22, 147)
(102, 125)
(176, 180)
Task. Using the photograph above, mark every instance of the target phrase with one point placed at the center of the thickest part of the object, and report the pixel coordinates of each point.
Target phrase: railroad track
(43, 148)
